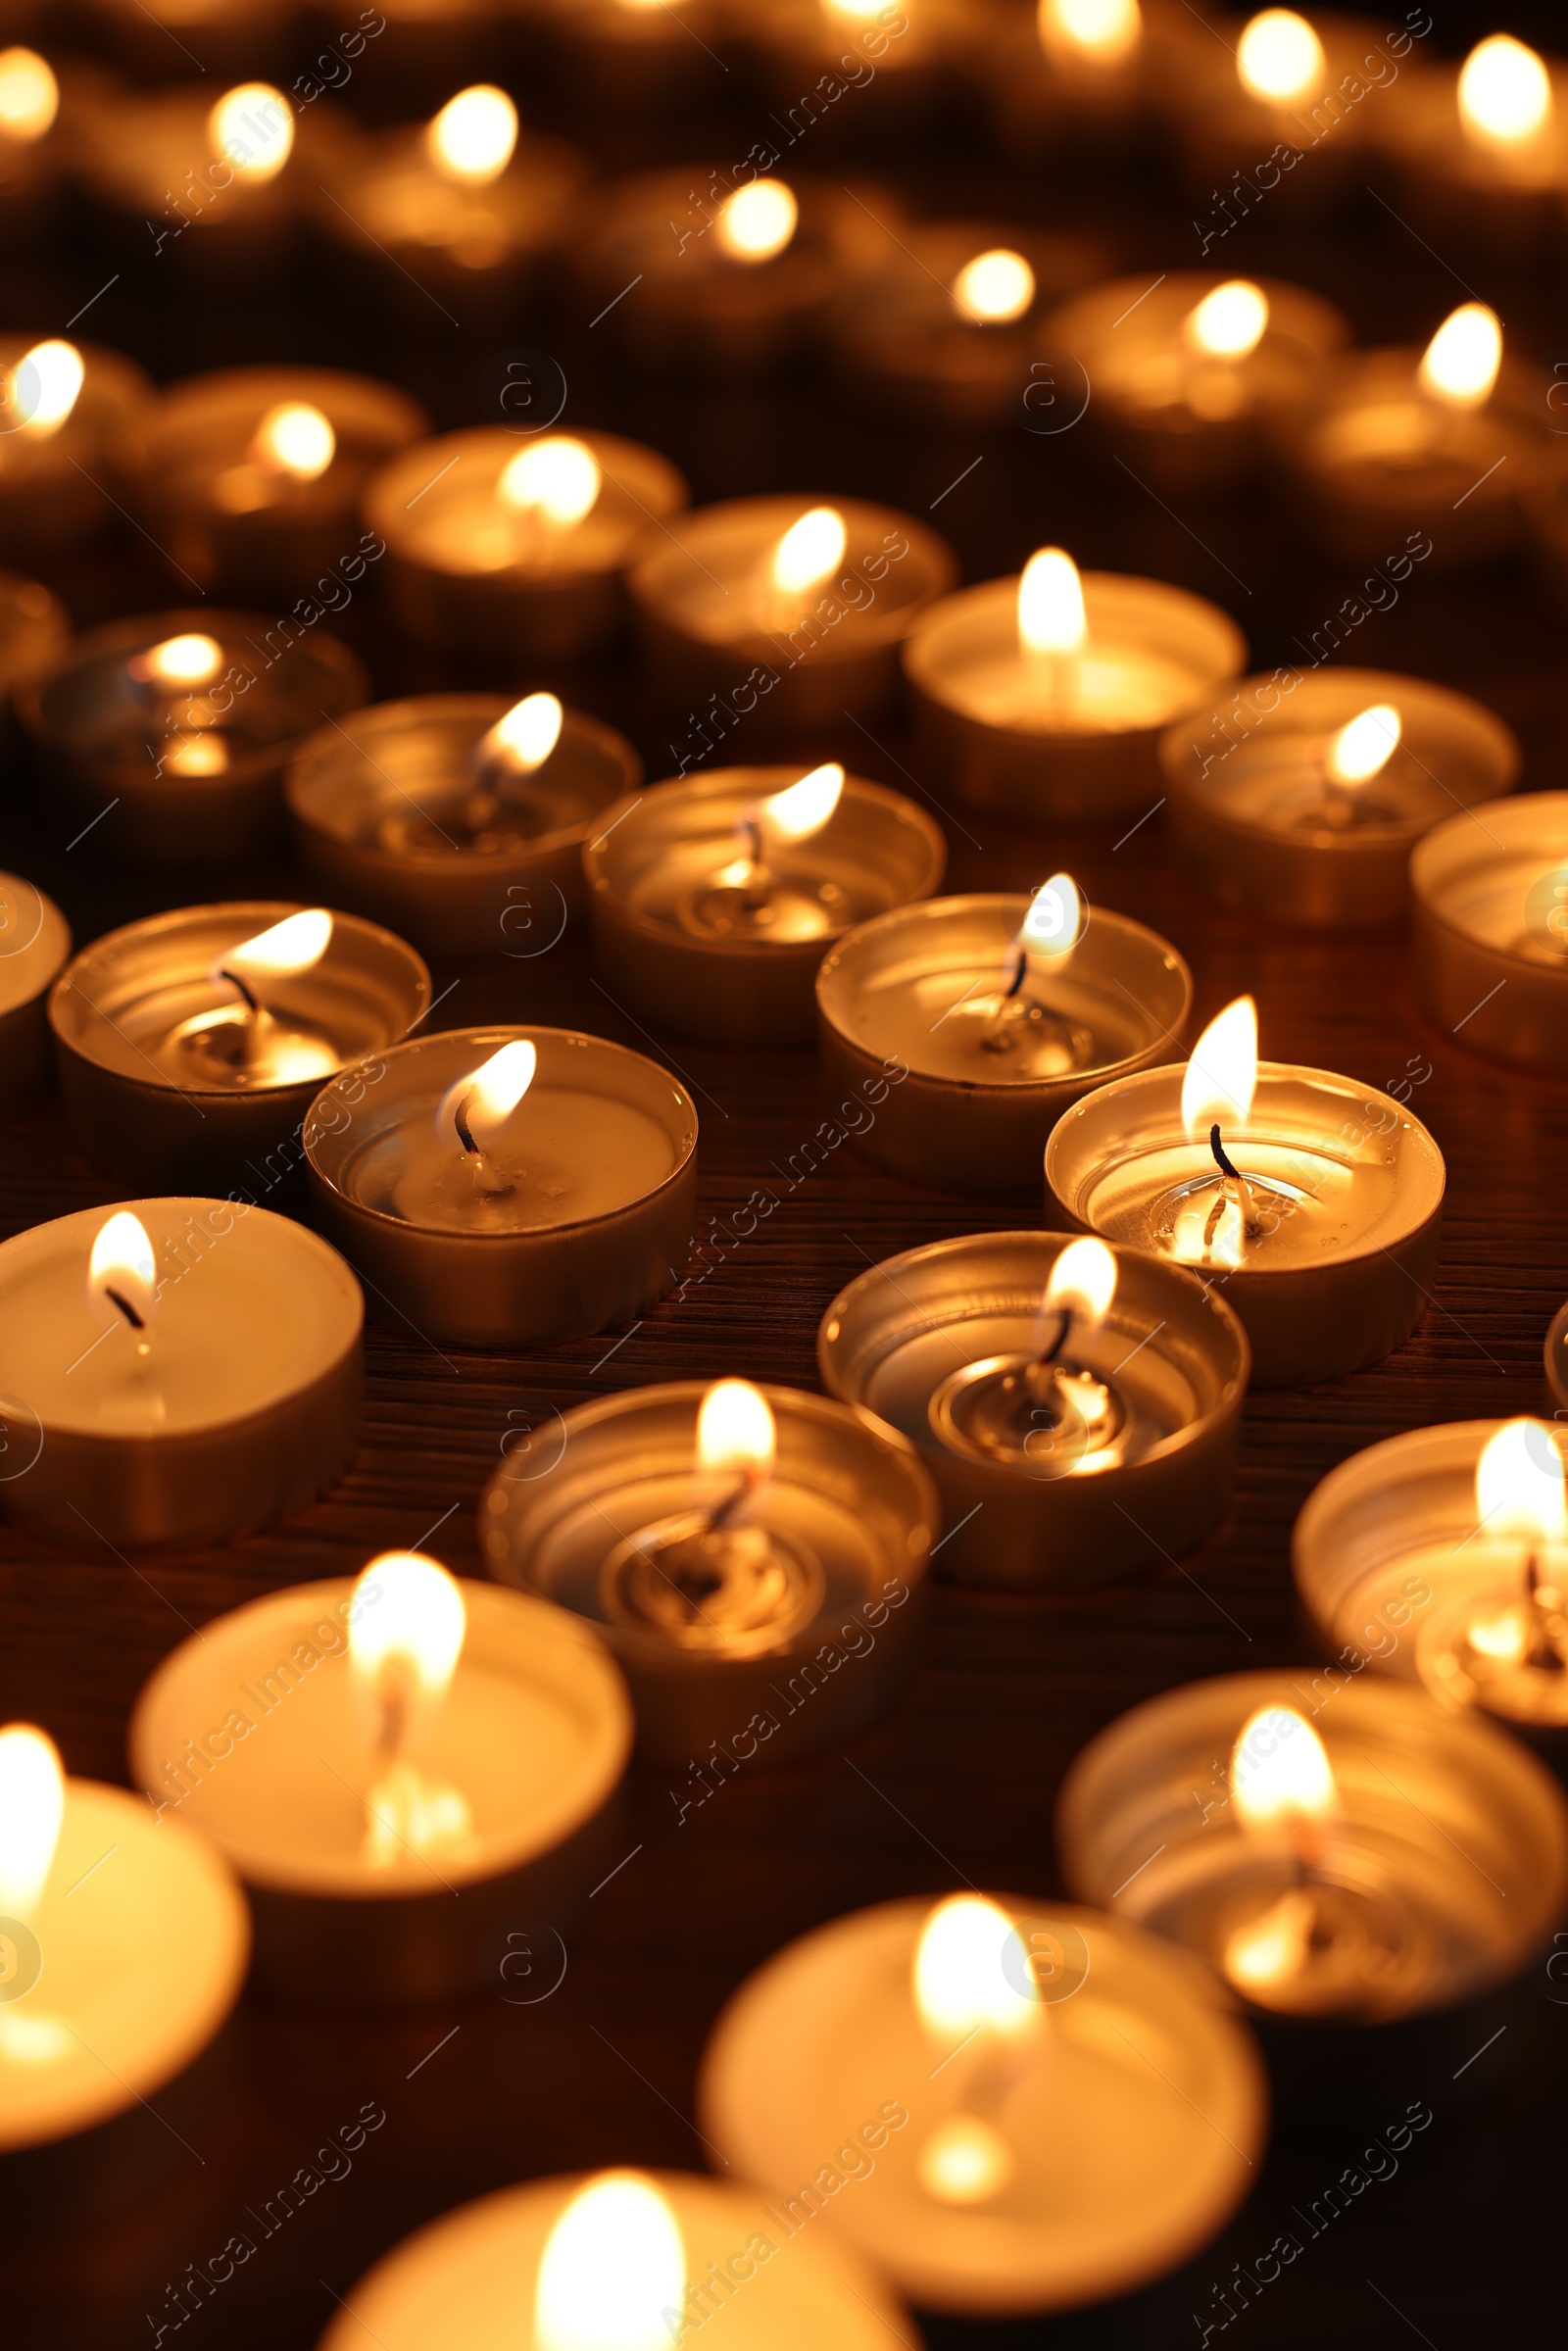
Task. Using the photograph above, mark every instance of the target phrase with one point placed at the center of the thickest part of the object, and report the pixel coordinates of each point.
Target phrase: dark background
(960, 1784)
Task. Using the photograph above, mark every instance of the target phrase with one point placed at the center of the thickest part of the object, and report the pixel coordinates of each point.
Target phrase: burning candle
(458, 818)
(1488, 929)
(35, 946)
(102, 1910)
(1301, 799)
(755, 1558)
(197, 1039)
(999, 1011)
(29, 103)
(185, 1370)
(61, 404)
(1315, 1201)
(619, 2261)
(1038, 1376)
(509, 548)
(394, 1765)
(986, 2036)
(714, 894)
(1281, 106)
(1044, 695)
(1338, 1884)
(906, 66)
(501, 1186)
(1483, 148)
(1075, 77)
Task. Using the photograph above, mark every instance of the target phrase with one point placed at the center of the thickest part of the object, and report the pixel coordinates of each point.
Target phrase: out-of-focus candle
(1484, 148)
(35, 945)
(1488, 929)
(62, 405)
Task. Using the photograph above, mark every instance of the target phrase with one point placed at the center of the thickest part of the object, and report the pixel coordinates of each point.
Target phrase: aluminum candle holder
(1347, 1257)
(393, 815)
(1489, 930)
(801, 1638)
(1119, 2048)
(922, 988)
(35, 945)
(33, 627)
(532, 1738)
(567, 1223)
(1260, 823)
(50, 496)
(1409, 1923)
(938, 1343)
(166, 735)
(1153, 654)
(675, 934)
(234, 1400)
(161, 1072)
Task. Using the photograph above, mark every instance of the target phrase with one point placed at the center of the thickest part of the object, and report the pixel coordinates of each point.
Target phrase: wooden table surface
(958, 1786)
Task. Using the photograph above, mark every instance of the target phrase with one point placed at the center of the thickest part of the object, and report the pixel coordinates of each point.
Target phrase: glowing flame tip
(1222, 1075)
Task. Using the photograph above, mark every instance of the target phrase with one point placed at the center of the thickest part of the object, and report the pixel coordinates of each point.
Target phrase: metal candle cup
(244, 1406)
(1258, 825)
(829, 1644)
(35, 945)
(384, 803)
(669, 930)
(462, 581)
(1139, 2066)
(921, 1339)
(1489, 930)
(599, 1199)
(1153, 653)
(712, 626)
(921, 986)
(1355, 1185)
(180, 772)
(533, 1737)
(143, 1094)
(52, 495)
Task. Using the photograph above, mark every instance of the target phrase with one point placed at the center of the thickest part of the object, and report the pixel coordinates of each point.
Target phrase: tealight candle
(1484, 148)
(1075, 77)
(64, 404)
(457, 818)
(29, 105)
(1441, 1556)
(509, 548)
(1078, 1406)
(1488, 929)
(622, 2261)
(785, 614)
(1322, 1227)
(249, 479)
(430, 1758)
(126, 1943)
(195, 1041)
(993, 2038)
(1437, 448)
(505, 1186)
(1196, 376)
(1044, 695)
(999, 1011)
(1301, 799)
(181, 1371)
(1287, 103)
(755, 1558)
(229, 35)
(1341, 1885)
(713, 897)
(35, 945)
(162, 739)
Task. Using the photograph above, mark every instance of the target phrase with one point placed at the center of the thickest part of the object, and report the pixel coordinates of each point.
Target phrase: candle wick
(392, 1730)
(723, 1512)
(1221, 1155)
(136, 1321)
(235, 981)
(459, 1119)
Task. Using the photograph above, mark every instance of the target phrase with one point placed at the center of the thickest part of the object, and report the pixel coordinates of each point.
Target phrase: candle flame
(1050, 603)
(43, 387)
(253, 131)
(296, 439)
(1222, 1075)
(204, 753)
(1505, 92)
(735, 1431)
(1272, 1947)
(486, 1097)
(32, 1805)
(757, 222)
(121, 1271)
(1519, 1483)
(186, 660)
(1104, 31)
(558, 477)
(965, 2161)
(293, 945)
(993, 288)
(472, 138)
(405, 1640)
(1083, 1283)
(810, 550)
(856, 10)
(1364, 746)
(29, 95)
(1461, 361)
(612, 2266)
(803, 808)
(971, 1969)
(526, 736)
(1229, 323)
(1280, 1771)
(1056, 921)
(1280, 57)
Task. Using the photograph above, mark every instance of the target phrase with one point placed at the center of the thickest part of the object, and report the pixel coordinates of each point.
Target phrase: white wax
(565, 1157)
(35, 942)
(461, 524)
(1104, 690)
(144, 1940)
